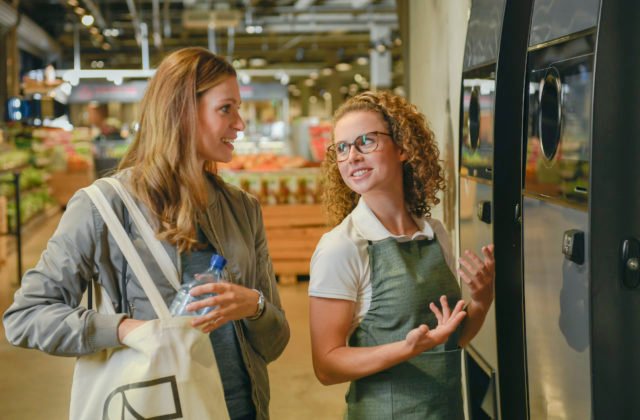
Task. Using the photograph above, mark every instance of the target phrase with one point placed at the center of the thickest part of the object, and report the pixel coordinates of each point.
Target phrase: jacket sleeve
(268, 334)
(46, 312)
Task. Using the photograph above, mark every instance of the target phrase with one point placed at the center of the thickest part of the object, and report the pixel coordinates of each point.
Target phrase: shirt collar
(371, 229)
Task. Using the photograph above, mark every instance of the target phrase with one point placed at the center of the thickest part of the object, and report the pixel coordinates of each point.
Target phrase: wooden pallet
(293, 231)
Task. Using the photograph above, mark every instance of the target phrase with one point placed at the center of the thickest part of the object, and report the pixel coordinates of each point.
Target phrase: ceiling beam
(303, 4)
(360, 4)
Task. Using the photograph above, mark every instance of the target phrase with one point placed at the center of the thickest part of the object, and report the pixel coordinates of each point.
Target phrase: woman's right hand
(126, 326)
(422, 338)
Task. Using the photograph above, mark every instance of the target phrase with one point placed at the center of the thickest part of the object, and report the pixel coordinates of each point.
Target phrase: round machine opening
(550, 113)
(474, 118)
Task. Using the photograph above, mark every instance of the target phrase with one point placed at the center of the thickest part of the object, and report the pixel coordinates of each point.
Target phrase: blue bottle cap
(217, 262)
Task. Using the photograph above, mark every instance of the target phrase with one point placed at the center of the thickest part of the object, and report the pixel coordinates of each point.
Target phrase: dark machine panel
(553, 19)
(483, 33)
(476, 191)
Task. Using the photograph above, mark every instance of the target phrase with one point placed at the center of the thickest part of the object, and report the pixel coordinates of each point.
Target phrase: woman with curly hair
(385, 308)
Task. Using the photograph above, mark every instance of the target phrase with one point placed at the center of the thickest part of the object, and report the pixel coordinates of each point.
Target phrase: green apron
(405, 278)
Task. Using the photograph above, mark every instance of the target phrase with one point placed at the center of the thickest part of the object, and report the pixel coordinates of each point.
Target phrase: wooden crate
(64, 184)
(293, 231)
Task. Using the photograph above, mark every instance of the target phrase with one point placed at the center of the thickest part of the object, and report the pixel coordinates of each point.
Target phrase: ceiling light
(87, 20)
(106, 46)
(284, 79)
(313, 75)
(313, 99)
(79, 11)
(327, 71)
(245, 79)
(343, 66)
(94, 30)
(111, 32)
(381, 48)
(254, 29)
(309, 82)
(257, 62)
(362, 61)
(72, 3)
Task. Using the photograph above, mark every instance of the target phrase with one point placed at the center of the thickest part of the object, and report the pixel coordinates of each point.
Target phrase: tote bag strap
(129, 251)
(159, 252)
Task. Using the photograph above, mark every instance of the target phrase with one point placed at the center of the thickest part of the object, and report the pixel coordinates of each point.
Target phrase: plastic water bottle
(213, 274)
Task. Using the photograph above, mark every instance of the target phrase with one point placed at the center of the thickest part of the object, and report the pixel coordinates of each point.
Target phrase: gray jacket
(47, 312)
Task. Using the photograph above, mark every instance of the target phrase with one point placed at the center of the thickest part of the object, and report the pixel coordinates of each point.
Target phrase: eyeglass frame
(332, 147)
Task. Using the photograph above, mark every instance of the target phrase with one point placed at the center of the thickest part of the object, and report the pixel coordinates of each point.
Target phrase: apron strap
(128, 251)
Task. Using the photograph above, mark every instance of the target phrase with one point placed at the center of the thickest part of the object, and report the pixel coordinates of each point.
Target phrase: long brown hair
(422, 175)
(165, 172)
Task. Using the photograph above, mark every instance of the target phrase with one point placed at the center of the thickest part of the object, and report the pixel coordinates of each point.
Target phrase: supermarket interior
(521, 151)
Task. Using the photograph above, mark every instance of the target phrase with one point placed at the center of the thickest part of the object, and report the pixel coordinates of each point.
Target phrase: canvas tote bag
(165, 370)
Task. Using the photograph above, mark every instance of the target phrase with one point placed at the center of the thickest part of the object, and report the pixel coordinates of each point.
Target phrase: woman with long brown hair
(385, 307)
(190, 119)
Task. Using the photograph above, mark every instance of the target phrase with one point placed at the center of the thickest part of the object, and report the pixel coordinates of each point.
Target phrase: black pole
(16, 183)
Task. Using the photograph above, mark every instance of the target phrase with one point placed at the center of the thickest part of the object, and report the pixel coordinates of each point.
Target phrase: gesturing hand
(422, 338)
(232, 300)
(479, 275)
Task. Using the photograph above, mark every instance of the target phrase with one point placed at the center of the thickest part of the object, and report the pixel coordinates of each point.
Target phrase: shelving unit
(17, 171)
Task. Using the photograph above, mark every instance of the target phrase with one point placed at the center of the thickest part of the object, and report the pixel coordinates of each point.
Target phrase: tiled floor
(36, 386)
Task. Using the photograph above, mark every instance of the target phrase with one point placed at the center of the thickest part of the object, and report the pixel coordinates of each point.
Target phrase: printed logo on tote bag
(157, 399)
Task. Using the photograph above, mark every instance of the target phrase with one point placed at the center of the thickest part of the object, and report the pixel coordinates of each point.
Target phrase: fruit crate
(293, 231)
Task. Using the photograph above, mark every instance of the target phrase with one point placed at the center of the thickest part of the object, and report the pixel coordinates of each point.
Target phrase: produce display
(31, 204)
(34, 196)
(32, 152)
(13, 158)
(285, 186)
(264, 162)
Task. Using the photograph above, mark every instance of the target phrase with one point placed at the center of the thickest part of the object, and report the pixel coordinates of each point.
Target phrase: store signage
(108, 92)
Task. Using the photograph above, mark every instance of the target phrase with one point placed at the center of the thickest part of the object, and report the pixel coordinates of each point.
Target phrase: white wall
(437, 31)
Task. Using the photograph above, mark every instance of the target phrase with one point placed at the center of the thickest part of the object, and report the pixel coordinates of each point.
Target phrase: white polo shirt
(340, 264)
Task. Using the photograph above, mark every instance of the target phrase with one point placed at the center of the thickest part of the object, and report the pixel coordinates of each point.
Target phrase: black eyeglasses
(364, 143)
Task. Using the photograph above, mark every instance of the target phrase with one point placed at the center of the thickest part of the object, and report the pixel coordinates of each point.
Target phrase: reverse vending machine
(555, 217)
(476, 177)
(550, 172)
(581, 295)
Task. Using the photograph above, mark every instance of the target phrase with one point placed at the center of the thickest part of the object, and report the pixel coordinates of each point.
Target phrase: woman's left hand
(479, 275)
(231, 302)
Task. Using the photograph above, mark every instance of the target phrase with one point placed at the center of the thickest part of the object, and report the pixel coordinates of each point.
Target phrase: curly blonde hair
(422, 175)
